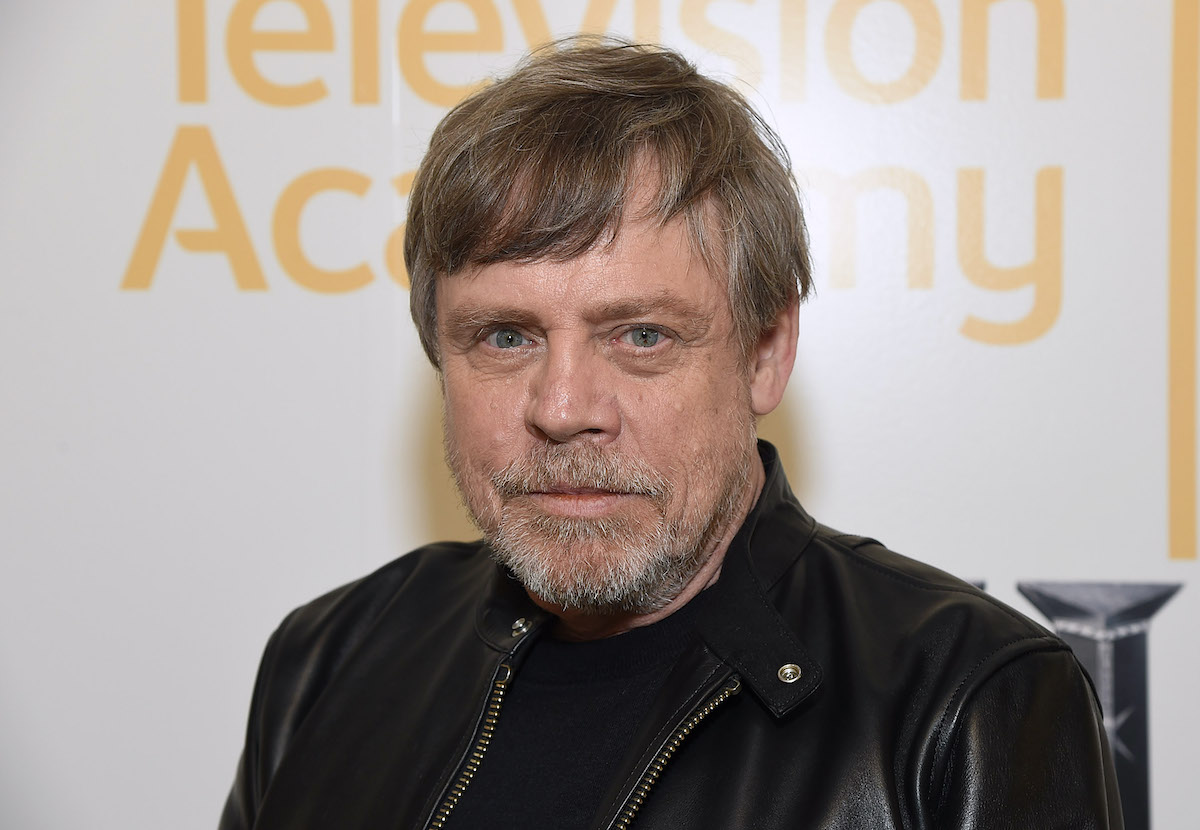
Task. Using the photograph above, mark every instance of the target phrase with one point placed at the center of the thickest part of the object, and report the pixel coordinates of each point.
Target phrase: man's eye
(643, 336)
(507, 339)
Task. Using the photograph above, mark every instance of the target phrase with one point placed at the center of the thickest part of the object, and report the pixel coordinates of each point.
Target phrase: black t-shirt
(568, 717)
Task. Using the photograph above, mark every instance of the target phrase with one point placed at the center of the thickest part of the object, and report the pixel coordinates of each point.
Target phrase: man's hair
(542, 163)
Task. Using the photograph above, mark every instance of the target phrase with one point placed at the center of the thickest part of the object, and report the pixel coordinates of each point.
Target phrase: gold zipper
(652, 774)
(490, 716)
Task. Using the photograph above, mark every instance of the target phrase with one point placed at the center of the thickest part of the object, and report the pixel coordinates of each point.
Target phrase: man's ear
(772, 359)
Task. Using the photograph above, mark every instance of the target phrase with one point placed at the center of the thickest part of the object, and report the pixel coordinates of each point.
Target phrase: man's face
(598, 416)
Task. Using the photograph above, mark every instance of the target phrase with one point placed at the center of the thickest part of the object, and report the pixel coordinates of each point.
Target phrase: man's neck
(576, 624)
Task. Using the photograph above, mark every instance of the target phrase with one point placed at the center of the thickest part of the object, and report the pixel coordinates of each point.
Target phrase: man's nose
(569, 399)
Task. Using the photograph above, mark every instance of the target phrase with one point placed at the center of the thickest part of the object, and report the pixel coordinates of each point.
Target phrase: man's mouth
(580, 484)
(578, 502)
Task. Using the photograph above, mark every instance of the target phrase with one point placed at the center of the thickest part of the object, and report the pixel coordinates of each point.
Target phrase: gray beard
(610, 564)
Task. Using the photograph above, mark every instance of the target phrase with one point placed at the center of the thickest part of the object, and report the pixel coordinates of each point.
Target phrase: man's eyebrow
(477, 317)
(467, 321)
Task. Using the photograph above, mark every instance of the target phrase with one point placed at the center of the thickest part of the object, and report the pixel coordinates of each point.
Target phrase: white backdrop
(191, 445)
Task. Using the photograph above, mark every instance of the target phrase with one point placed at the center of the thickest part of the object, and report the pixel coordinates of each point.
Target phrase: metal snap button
(520, 626)
(789, 673)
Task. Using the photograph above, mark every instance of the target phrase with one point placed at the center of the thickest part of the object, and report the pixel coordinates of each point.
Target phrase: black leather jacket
(920, 702)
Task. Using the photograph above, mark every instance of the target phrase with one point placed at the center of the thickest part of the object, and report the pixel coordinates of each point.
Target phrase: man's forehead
(641, 236)
(643, 263)
(647, 204)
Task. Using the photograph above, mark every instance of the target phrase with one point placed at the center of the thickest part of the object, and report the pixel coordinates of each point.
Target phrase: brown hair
(541, 163)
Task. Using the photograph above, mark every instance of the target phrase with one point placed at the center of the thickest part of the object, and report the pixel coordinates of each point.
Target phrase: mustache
(548, 468)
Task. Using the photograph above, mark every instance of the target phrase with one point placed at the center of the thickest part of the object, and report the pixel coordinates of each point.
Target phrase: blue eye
(507, 338)
(643, 336)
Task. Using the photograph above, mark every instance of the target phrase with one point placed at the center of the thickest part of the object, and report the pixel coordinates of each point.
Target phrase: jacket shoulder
(346, 614)
(975, 690)
(918, 594)
(315, 641)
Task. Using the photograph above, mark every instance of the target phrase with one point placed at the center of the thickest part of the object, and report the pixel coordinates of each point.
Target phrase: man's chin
(588, 569)
(609, 522)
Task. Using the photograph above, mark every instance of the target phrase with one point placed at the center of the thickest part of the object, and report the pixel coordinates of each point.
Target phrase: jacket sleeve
(1029, 750)
(240, 806)
(250, 779)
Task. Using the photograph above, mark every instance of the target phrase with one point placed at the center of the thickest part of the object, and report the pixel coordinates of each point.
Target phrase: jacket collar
(736, 619)
(508, 614)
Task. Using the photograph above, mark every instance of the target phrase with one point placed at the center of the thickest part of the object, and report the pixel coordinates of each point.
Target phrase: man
(607, 254)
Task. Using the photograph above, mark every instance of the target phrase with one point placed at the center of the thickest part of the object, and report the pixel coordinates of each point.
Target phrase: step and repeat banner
(213, 404)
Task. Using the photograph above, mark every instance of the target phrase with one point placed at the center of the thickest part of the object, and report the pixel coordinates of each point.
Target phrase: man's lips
(567, 490)
(582, 502)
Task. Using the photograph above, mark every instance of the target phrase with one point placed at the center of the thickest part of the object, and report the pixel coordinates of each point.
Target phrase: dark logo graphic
(1107, 624)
